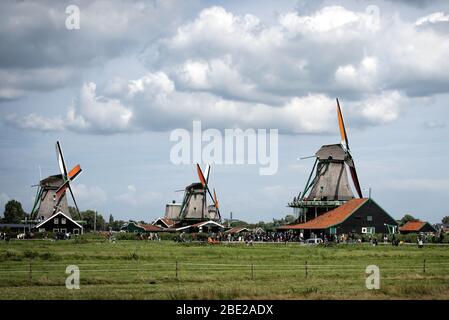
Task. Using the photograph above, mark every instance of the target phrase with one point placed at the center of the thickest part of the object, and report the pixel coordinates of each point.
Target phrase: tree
(445, 220)
(111, 219)
(13, 212)
(89, 217)
(74, 213)
(406, 218)
(289, 218)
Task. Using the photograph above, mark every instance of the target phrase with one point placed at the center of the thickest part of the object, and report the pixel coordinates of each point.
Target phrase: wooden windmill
(51, 196)
(330, 186)
(194, 206)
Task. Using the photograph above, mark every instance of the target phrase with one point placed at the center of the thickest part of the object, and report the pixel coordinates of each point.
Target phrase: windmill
(330, 186)
(194, 204)
(51, 192)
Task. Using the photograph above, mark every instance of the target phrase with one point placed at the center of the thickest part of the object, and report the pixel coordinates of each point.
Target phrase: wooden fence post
(306, 269)
(252, 271)
(30, 275)
(424, 266)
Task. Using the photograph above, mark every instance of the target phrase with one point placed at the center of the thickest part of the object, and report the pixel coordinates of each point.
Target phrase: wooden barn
(417, 227)
(134, 227)
(357, 216)
(206, 226)
(164, 223)
(60, 222)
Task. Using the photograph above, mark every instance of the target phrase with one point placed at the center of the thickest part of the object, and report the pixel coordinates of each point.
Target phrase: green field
(166, 270)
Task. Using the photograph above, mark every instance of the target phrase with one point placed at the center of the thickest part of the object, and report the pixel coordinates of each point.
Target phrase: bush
(171, 236)
(127, 236)
(30, 254)
(46, 255)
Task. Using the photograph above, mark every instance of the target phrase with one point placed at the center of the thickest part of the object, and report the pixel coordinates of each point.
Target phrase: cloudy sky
(113, 91)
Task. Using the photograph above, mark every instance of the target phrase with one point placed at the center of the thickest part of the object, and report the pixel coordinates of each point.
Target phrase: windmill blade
(355, 178)
(61, 162)
(62, 189)
(341, 124)
(74, 201)
(206, 173)
(215, 199)
(204, 182)
(201, 175)
(74, 172)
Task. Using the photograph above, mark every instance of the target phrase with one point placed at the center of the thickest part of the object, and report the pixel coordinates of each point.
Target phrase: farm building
(237, 230)
(134, 227)
(60, 222)
(417, 227)
(164, 223)
(206, 226)
(15, 227)
(360, 216)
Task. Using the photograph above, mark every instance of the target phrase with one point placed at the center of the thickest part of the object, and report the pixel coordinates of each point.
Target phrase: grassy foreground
(166, 270)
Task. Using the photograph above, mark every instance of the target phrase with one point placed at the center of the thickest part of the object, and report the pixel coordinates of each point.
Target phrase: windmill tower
(330, 186)
(194, 207)
(51, 196)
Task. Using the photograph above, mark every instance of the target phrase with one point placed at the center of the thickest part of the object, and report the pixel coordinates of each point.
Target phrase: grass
(147, 270)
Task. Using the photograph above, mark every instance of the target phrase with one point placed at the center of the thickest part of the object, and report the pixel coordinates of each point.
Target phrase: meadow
(166, 270)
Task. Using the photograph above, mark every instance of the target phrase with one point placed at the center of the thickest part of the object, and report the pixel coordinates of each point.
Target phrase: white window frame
(64, 231)
(63, 221)
(76, 231)
(55, 221)
(368, 230)
(55, 230)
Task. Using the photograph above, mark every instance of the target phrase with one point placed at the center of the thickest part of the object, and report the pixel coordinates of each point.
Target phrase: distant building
(164, 223)
(134, 227)
(357, 216)
(237, 230)
(417, 227)
(16, 227)
(60, 222)
(205, 226)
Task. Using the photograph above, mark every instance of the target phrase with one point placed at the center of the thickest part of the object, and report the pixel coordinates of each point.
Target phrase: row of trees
(14, 213)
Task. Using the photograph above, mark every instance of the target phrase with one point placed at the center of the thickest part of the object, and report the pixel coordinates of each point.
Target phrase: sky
(114, 90)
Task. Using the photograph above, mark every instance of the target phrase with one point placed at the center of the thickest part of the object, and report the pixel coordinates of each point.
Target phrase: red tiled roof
(330, 218)
(236, 230)
(168, 222)
(412, 226)
(150, 227)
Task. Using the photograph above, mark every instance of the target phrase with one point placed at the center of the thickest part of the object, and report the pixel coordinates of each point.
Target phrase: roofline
(59, 212)
(362, 204)
(347, 217)
(200, 225)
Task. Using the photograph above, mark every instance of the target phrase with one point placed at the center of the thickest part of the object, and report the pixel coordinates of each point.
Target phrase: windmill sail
(52, 196)
(349, 161)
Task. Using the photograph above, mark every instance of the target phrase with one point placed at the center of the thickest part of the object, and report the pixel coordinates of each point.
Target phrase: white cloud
(89, 196)
(432, 18)
(36, 122)
(234, 70)
(99, 113)
(381, 109)
(136, 198)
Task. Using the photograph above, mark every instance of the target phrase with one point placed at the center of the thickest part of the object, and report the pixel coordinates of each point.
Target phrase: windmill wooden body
(51, 196)
(194, 206)
(329, 187)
